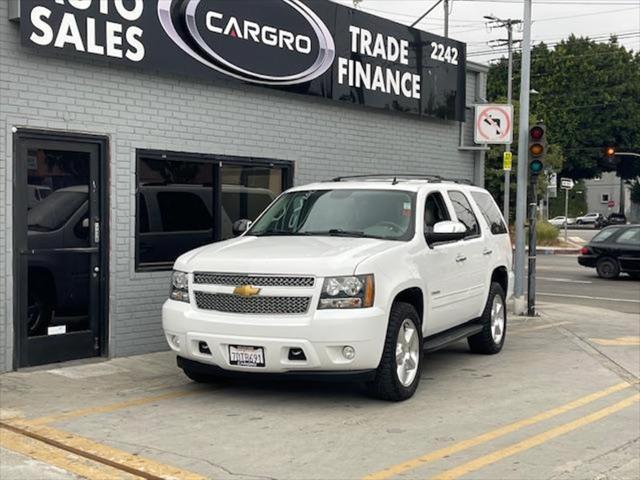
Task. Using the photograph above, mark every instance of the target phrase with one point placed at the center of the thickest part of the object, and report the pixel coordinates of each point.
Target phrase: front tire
(398, 374)
(490, 340)
(607, 268)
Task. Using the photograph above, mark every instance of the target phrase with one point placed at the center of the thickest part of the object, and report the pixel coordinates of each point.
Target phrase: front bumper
(321, 334)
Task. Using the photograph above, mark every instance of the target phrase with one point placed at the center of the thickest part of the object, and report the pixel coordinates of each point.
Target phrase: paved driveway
(561, 401)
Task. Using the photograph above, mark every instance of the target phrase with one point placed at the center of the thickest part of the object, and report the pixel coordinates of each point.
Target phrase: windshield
(54, 211)
(355, 213)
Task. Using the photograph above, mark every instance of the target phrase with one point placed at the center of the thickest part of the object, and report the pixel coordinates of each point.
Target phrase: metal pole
(507, 173)
(531, 291)
(566, 212)
(521, 194)
(622, 196)
(446, 18)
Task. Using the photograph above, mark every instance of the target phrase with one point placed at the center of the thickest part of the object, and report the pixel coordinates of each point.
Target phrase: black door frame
(19, 222)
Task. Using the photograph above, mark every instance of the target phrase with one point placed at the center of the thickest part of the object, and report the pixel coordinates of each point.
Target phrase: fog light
(174, 341)
(349, 352)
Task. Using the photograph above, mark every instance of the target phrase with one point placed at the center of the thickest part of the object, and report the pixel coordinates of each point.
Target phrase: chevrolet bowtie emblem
(246, 291)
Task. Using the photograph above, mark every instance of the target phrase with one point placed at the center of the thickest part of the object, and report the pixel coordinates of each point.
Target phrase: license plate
(246, 356)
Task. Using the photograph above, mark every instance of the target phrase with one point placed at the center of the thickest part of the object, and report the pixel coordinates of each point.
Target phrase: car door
(628, 248)
(438, 269)
(471, 261)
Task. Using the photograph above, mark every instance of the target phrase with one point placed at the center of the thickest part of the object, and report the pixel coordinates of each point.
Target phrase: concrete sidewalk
(140, 413)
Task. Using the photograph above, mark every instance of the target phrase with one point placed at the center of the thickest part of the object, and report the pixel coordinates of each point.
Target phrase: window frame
(217, 162)
(475, 215)
(602, 199)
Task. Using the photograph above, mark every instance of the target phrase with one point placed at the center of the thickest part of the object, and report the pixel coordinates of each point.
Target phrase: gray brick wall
(146, 110)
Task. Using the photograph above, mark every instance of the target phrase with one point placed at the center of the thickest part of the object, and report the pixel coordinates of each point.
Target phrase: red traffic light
(536, 133)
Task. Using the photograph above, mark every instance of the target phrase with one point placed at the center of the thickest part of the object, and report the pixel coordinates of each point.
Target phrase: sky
(553, 20)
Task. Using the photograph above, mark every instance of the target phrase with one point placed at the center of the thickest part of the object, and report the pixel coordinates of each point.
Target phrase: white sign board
(566, 183)
(493, 124)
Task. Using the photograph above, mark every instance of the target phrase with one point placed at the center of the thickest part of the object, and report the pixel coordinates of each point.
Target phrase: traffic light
(610, 152)
(537, 148)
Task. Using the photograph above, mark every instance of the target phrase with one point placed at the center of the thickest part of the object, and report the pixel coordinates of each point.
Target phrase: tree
(588, 98)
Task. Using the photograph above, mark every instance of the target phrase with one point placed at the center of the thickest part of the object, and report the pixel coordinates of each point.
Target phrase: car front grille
(210, 278)
(225, 302)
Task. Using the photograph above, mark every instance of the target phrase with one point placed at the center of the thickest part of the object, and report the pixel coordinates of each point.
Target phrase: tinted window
(604, 234)
(177, 207)
(630, 236)
(435, 211)
(490, 212)
(360, 213)
(464, 212)
(183, 211)
(54, 211)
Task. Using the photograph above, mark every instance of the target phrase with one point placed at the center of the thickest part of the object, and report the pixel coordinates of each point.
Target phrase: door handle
(461, 258)
(487, 252)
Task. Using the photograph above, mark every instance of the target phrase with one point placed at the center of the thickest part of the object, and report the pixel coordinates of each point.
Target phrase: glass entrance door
(58, 242)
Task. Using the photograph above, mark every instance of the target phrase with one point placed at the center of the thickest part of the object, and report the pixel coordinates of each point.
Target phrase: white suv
(355, 276)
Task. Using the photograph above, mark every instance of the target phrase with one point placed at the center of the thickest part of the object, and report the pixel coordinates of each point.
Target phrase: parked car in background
(589, 218)
(612, 219)
(561, 220)
(613, 250)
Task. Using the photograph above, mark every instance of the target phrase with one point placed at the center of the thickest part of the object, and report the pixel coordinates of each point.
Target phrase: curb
(555, 251)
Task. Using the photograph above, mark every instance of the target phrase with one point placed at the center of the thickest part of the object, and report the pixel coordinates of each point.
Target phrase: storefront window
(185, 201)
(246, 192)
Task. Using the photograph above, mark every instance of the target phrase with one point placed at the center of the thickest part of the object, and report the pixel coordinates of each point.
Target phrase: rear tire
(398, 373)
(608, 268)
(494, 321)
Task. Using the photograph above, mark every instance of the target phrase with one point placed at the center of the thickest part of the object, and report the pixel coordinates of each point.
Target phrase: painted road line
(60, 458)
(84, 447)
(586, 297)
(563, 280)
(535, 440)
(493, 434)
(110, 408)
(617, 342)
(515, 331)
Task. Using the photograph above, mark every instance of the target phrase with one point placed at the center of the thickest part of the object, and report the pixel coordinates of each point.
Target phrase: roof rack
(395, 177)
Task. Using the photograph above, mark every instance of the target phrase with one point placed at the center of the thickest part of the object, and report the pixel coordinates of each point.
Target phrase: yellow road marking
(60, 458)
(535, 440)
(617, 342)
(493, 434)
(87, 448)
(539, 327)
(110, 408)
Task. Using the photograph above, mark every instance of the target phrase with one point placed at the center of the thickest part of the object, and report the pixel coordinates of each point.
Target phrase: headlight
(179, 286)
(355, 291)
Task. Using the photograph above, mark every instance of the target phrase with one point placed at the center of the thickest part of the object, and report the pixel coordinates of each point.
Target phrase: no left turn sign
(493, 124)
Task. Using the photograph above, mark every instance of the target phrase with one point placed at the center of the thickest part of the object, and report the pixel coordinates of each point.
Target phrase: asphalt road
(561, 280)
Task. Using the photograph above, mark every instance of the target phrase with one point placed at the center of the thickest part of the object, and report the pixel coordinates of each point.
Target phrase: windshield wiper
(338, 232)
(276, 233)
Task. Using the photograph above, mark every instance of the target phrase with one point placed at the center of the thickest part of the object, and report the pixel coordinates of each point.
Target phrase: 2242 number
(444, 54)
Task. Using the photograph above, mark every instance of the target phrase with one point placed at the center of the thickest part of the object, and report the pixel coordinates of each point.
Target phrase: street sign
(552, 185)
(493, 124)
(566, 183)
(507, 161)
(611, 204)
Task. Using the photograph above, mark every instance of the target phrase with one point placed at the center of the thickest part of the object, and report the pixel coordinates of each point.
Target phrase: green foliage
(577, 202)
(588, 98)
(546, 234)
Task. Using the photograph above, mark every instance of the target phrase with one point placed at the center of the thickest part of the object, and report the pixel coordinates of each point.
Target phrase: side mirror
(85, 223)
(240, 226)
(447, 231)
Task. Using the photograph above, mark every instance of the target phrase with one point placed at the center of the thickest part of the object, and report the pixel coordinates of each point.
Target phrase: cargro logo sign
(280, 43)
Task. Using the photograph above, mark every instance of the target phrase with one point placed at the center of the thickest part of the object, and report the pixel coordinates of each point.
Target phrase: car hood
(320, 256)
